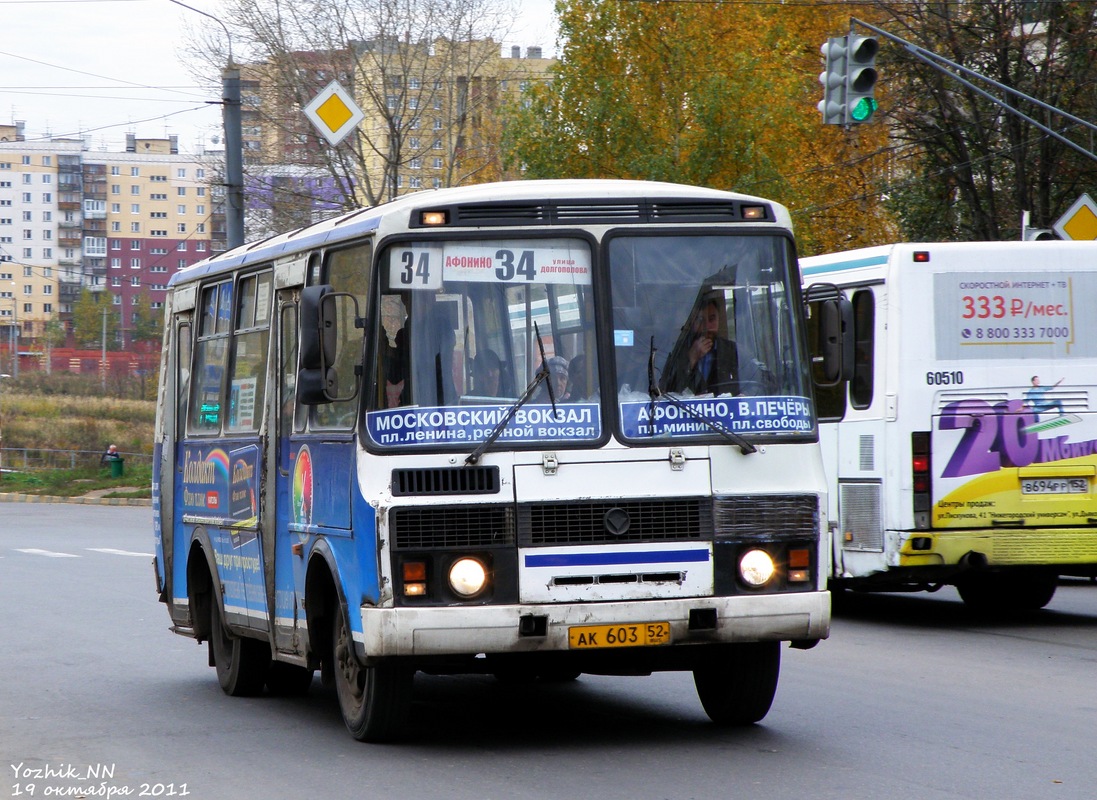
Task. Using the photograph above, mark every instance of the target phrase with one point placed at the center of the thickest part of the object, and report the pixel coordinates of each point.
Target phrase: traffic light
(833, 78)
(861, 78)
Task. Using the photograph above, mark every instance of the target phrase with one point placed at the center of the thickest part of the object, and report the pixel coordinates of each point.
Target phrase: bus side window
(182, 380)
(864, 319)
(247, 383)
(287, 367)
(209, 358)
(830, 401)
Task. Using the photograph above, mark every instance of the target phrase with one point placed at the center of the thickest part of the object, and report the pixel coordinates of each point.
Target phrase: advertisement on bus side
(1023, 454)
(1008, 463)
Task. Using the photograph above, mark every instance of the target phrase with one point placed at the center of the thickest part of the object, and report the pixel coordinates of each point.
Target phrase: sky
(105, 68)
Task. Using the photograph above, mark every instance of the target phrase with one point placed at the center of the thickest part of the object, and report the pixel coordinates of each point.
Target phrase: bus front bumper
(472, 630)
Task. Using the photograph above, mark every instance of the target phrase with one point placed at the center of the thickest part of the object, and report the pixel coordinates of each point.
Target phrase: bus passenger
(558, 374)
(577, 378)
(395, 370)
(487, 374)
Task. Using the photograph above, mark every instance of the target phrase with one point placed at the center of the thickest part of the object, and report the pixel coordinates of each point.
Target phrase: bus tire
(374, 700)
(737, 687)
(241, 663)
(1007, 593)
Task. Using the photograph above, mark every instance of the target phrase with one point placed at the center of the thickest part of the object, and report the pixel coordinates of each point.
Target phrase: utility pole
(234, 146)
(14, 337)
(234, 154)
(103, 363)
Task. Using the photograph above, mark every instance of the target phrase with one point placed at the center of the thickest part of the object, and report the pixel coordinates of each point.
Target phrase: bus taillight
(920, 478)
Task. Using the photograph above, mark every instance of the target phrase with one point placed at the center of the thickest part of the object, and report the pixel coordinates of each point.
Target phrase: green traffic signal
(861, 78)
(863, 109)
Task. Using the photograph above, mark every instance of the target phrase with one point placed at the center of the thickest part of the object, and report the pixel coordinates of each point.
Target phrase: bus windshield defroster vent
(445, 480)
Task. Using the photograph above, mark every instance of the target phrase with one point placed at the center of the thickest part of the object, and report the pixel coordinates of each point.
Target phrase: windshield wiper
(654, 392)
(540, 377)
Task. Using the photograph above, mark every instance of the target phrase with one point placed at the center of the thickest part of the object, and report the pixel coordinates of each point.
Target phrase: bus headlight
(756, 567)
(468, 576)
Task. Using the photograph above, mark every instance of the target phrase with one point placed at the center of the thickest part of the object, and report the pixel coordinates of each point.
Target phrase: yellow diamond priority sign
(334, 113)
(1080, 221)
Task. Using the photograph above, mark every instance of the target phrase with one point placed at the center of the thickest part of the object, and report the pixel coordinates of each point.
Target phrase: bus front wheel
(374, 700)
(737, 688)
(241, 663)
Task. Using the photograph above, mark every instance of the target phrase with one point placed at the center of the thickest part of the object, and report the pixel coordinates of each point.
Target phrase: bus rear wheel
(241, 663)
(1007, 593)
(737, 687)
(374, 700)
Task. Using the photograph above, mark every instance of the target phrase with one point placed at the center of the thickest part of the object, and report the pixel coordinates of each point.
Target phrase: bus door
(316, 460)
(169, 464)
(289, 538)
(858, 454)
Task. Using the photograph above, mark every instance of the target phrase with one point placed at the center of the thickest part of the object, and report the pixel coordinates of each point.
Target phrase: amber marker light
(433, 218)
(799, 561)
(415, 578)
(754, 212)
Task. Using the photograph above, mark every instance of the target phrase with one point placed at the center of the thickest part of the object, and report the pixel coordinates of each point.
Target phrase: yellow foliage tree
(714, 94)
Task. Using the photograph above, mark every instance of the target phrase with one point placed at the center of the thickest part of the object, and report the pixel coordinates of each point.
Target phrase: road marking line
(112, 552)
(33, 551)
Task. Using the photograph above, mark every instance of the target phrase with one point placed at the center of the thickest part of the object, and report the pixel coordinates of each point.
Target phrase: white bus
(456, 433)
(964, 449)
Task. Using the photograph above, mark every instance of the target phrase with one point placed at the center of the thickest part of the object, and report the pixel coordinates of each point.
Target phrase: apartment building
(37, 232)
(439, 125)
(431, 111)
(117, 222)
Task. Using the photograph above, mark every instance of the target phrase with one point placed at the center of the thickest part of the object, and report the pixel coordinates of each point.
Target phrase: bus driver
(710, 363)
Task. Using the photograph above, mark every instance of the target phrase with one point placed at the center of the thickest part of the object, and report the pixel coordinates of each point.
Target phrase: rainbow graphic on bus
(302, 487)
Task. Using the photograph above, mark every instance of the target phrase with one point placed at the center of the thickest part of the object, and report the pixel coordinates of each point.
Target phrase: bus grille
(426, 527)
(767, 518)
(655, 520)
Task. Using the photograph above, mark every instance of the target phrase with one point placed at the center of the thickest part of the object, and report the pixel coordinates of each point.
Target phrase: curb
(15, 497)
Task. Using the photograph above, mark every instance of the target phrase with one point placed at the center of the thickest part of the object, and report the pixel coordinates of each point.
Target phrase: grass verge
(135, 483)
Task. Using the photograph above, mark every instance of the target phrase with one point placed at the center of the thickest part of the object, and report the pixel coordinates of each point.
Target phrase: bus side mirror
(318, 345)
(324, 313)
(318, 335)
(832, 339)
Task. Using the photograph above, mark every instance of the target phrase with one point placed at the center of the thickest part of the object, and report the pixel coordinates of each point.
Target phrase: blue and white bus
(462, 432)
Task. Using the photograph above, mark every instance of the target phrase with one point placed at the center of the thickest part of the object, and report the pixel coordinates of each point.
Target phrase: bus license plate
(1054, 485)
(639, 634)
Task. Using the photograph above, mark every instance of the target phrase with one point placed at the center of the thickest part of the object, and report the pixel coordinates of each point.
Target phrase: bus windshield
(706, 319)
(465, 327)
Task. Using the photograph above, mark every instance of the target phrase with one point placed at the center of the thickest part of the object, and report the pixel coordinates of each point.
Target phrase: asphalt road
(912, 697)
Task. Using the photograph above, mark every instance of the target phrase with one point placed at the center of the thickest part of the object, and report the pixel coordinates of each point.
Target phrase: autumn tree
(716, 94)
(967, 167)
(147, 322)
(88, 319)
(422, 71)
